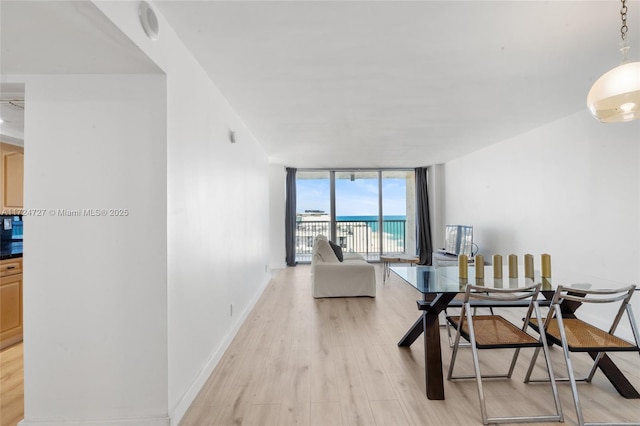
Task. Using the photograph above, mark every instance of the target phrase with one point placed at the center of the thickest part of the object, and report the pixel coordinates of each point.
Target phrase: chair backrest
(600, 296)
(507, 297)
(479, 292)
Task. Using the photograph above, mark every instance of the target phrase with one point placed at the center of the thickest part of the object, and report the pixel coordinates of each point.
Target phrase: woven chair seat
(493, 331)
(584, 337)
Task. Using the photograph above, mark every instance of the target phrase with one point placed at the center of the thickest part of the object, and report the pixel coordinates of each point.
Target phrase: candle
(479, 266)
(497, 266)
(528, 266)
(513, 266)
(462, 267)
(546, 266)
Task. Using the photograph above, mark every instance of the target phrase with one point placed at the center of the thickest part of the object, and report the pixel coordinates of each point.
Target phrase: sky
(353, 198)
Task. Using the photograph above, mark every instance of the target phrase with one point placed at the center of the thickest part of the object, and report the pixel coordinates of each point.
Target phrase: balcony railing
(353, 236)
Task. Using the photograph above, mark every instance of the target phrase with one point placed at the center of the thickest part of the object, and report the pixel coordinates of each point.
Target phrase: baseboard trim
(178, 412)
(11, 341)
(139, 421)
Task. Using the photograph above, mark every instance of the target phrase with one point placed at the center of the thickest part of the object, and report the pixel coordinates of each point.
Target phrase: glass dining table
(439, 286)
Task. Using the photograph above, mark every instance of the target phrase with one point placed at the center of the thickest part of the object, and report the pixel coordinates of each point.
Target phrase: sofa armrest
(352, 256)
(347, 279)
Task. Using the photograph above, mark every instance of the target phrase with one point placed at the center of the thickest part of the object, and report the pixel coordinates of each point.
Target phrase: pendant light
(615, 97)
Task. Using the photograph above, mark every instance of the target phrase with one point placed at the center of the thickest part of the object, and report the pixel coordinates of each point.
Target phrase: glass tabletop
(446, 279)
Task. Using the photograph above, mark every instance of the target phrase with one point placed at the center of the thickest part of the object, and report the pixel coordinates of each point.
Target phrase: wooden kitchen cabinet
(11, 177)
(10, 302)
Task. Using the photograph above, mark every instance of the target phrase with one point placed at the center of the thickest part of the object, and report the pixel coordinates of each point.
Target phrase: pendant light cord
(624, 45)
(623, 16)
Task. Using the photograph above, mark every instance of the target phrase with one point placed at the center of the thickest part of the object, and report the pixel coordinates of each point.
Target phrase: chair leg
(476, 367)
(567, 358)
(634, 326)
(450, 337)
(594, 367)
(513, 362)
(456, 345)
(552, 378)
(534, 358)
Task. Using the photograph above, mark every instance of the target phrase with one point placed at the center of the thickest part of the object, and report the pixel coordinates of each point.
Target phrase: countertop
(10, 249)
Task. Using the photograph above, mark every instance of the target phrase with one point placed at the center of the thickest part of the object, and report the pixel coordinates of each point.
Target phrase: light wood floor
(11, 385)
(299, 360)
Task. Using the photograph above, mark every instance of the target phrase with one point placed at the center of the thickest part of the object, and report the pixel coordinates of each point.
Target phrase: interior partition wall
(365, 211)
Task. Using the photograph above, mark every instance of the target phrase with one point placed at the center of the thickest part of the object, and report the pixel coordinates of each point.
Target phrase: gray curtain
(423, 222)
(290, 217)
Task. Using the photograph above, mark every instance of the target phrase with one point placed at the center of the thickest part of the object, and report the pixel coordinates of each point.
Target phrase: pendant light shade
(615, 97)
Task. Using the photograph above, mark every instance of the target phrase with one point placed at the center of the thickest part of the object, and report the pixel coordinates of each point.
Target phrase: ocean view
(368, 218)
(389, 227)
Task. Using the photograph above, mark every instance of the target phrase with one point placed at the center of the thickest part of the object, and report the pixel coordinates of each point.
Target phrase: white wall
(569, 188)
(436, 188)
(95, 288)
(125, 318)
(277, 199)
(218, 212)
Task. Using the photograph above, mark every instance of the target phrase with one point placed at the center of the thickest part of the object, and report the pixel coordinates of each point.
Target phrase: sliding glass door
(399, 209)
(357, 196)
(369, 212)
(313, 210)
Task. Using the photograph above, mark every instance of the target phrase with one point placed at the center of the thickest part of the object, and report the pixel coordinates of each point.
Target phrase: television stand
(445, 259)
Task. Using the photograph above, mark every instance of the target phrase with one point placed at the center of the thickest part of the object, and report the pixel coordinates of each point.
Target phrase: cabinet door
(10, 309)
(12, 179)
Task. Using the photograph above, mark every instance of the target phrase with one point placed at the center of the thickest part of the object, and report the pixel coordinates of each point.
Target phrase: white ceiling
(62, 37)
(357, 83)
(12, 113)
(57, 37)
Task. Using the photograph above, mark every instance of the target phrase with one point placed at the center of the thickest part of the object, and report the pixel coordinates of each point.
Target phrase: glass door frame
(332, 201)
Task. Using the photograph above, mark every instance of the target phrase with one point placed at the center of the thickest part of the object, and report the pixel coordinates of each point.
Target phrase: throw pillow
(337, 250)
(326, 252)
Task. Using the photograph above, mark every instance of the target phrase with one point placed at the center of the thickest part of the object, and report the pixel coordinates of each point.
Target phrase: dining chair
(563, 328)
(458, 299)
(490, 331)
(479, 280)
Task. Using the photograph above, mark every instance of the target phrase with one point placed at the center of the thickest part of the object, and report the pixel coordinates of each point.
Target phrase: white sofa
(332, 278)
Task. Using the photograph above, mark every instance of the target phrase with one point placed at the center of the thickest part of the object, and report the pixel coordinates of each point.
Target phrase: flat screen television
(458, 239)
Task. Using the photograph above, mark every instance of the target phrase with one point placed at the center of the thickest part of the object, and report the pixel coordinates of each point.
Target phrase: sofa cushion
(326, 253)
(352, 256)
(337, 250)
